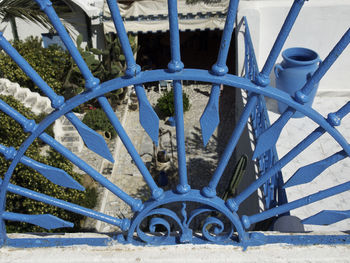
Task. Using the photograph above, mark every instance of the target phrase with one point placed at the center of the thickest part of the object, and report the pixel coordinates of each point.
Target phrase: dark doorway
(199, 49)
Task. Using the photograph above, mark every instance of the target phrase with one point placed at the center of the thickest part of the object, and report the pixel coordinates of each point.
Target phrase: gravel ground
(201, 162)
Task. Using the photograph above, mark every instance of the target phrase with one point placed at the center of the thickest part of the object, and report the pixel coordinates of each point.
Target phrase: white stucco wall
(320, 25)
(179, 253)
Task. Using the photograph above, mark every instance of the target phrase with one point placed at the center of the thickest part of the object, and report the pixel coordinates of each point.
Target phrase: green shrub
(97, 120)
(58, 69)
(11, 134)
(50, 63)
(165, 104)
(49, 130)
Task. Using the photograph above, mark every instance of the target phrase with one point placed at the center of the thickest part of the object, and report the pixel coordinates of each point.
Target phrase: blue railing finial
(182, 212)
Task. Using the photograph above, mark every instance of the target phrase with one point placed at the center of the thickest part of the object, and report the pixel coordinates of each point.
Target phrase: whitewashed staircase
(64, 131)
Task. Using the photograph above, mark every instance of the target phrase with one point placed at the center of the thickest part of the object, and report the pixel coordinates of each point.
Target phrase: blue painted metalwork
(307, 173)
(173, 210)
(272, 189)
(93, 140)
(327, 217)
(270, 137)
(210, 190)
(55, 175)
(210, 118)
(263, 79)
(176, 65)
(148, 118)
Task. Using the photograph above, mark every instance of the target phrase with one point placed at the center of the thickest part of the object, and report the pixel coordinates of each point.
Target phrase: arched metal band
(193, 196)
(156, 75)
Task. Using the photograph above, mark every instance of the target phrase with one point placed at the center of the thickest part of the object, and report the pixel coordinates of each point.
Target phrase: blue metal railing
(272, 190)
(220, 222)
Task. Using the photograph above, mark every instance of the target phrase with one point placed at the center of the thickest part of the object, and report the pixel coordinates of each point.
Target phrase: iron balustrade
(220, 222)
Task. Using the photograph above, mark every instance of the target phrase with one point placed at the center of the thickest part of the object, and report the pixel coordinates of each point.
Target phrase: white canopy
(93, 8)
(151, 16)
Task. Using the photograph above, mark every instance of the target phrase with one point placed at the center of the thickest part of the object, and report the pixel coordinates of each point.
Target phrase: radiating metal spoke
(210, 117)
(327, 217)
(263, 78)
(234, 203)
(309, 172)
(90, 81)
(122, 223)
(210, 190)
(55, 175)
(248, 220)
(176, 65)
(30, 126)
(269, 138)
(46, 221)
(155, 190)
(135, 204)
(148, 118)
(92, 139)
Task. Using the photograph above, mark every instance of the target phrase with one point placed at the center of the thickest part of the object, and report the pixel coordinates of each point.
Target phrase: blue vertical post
(220, 68)
(263, 79)
(210, 117)
(148, 118)
(175, 65)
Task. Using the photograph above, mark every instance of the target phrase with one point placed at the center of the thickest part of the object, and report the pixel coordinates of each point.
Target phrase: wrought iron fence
(167, 216)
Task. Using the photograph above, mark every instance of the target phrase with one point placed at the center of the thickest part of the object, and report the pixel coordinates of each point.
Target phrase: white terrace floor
(296, 130)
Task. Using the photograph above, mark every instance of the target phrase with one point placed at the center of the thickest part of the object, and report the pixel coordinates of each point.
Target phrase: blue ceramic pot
(297, 67)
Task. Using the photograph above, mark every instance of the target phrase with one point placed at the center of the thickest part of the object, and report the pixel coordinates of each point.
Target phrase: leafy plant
(50, 63)
(236, 178)
(97, 120)
(29, 11)
(105, 64)
(165, 104)
(11, 134)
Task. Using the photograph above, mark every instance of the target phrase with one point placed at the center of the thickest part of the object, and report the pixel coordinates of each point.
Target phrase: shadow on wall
(230, 107)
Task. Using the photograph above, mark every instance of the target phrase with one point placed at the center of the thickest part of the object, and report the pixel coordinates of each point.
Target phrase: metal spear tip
(49, 221)
(210, 118)
(327, 217)
(266, 141)
(58, 176)
(306, 174)
(91, 138)
(209, 121)
(46, 221)
(148, 118)
(269, 137)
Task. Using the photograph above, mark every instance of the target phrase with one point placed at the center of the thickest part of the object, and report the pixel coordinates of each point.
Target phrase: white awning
(92, 8)
(152, 16)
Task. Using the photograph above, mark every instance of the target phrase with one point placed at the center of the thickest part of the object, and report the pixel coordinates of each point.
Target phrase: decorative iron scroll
(180, 215)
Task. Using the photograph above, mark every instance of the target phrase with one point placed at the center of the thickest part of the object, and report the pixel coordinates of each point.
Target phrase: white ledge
(178, 253)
